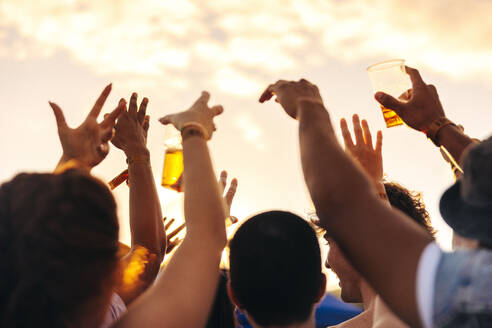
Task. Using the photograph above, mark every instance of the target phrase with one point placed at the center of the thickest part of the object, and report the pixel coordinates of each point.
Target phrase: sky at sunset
(67, 51)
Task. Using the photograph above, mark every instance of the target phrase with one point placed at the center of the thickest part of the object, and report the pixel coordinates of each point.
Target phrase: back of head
(409, 203)
(58, 239)
(275, 268)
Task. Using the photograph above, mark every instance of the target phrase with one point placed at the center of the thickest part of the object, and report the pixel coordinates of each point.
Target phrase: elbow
(333, 198)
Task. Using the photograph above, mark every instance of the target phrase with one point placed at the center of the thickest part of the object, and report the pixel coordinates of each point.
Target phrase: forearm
(203, 205)
(372, 235)
(174, 301)
(145, 210)
(325, 165)
(454, 140)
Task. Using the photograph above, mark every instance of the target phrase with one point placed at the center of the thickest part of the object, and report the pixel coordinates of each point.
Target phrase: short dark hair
(275, 268)
(410, 203)
(58, 240)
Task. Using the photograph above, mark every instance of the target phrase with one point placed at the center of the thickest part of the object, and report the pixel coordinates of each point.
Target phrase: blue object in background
(331, 311)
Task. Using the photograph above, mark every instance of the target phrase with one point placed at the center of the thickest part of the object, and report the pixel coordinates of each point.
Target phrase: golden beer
(390, 117)
(173, 169)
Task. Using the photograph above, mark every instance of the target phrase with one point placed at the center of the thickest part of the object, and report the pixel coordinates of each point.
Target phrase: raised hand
(172, 243)
(289, 93)
(229, 195)
(419, 107)
(369, 157)
(88, 143)
(131, 127)
(199, 114)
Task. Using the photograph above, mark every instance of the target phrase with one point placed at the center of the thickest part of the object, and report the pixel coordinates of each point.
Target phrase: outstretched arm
(141, 264)
(371, 234)
(184, 293)
(421, 110)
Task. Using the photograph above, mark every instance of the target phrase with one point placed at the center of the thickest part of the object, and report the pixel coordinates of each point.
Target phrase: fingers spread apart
(142, 110)
(110, 119)
(60, 118)
(132, 108)
(203, 99)
(347, 137)
(96, 109)
(231, 192)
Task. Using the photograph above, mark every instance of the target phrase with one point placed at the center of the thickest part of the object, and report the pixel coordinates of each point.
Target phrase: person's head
(399, 197)
(59, 239)
(275, 269)
(467, 205)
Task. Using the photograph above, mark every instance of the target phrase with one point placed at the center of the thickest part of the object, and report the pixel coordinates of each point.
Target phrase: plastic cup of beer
(172, 170)
(390, 77)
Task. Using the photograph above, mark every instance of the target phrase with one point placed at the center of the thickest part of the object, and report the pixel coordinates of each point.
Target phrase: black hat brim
(465, 219)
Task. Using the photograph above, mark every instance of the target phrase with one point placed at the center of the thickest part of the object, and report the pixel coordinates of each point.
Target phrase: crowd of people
(63, 265)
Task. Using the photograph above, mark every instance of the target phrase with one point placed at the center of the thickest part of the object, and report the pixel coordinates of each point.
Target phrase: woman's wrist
(193, 130)
(136, 151)
(138, 156)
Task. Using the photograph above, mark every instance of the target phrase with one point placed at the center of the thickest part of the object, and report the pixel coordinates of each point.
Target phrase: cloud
(268, 38)
(250, 131)
(234, 82)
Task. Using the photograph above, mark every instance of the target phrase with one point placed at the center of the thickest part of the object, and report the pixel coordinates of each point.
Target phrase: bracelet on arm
(191, 129)
(138, 159)
(435, 127)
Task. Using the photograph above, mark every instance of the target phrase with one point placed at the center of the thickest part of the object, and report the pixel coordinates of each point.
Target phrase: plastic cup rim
(374, 67)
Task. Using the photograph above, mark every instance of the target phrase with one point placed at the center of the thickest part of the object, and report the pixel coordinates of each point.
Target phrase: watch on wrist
(435, 127)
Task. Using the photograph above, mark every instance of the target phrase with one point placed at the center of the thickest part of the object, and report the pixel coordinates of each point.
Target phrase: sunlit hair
(409, 202)
(275, 268)
(58, 240)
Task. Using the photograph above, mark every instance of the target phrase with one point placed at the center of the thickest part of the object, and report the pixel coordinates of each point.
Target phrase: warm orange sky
(67, 51)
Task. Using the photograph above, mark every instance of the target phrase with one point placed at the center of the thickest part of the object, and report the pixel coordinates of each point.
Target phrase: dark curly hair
(410, 203)
(58, 240)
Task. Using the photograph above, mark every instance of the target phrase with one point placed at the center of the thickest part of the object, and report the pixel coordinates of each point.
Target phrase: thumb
(60, 118)
(166, 119)
(388, 101)
(217, 110)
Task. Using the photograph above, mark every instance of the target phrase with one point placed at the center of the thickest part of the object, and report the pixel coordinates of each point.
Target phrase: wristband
(138, 159)
(435, 127)
(193, 129)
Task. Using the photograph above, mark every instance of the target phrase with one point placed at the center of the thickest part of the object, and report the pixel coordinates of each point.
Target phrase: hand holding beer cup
(290, 93)
(420, 107)
(199, 115)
